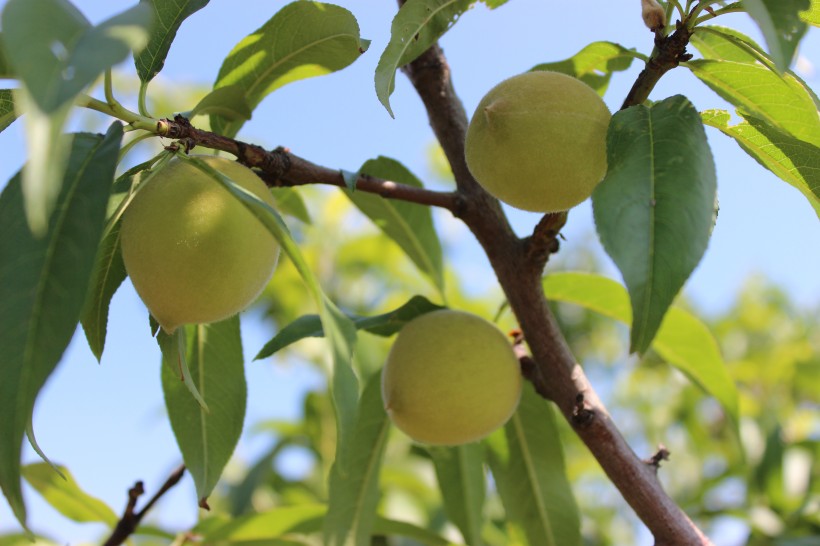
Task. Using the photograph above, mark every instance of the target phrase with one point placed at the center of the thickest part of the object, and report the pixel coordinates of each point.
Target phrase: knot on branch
(544, 239)
(662, 454)
(581, 415)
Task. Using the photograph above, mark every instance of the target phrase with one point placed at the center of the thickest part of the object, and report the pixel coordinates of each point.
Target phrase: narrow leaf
(354, 478)
(43, 282)
(7, 113)
(655, 209)
(208, 438)
(410, 225)
(595, 64)
(527, 463)
(384, 325)
(460, 475)
(279, 522)
(302, 40)
(167, 17)
(66, 496)
(683, 340)
(793, 161)
(417, 25)
(228, 102)
(781, 25)
(5, 66)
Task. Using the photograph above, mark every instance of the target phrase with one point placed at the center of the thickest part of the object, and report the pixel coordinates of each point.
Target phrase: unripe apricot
(537, 141)
(194, 253)
(451, 377)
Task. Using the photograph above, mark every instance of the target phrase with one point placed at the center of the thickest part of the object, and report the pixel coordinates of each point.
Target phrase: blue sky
(106, 422)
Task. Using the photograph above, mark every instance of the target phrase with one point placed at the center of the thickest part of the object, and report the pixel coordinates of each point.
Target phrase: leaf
(683, 340)
(655, 209)
(207, 438)
(5, 66)
(167, 17)
(384, 325)
(66, 496)
(595, 64)
(781, 25)
(43, 282)
(290, 202)
(354, 478)
(812, 15)
(302, 40)
(281, 521)
(460, 474)
(792, 160)
(7, 113)
(227, 102)
(389, 527)
(416, 27)
(410, 225)
(527, 463)
(715, 42)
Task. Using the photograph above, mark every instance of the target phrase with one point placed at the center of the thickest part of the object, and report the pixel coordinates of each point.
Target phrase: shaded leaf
(460, 475)
(385, 325)
(43, 282)
(302, 40)
(5, 66)
(7, 113)
(792, 160)
(354, 478)
(527, 462)
(595, 64)
(656, 207)
(410, 225)
(781, 25)
(227, 102)
(683, 340)
(290, 202)
(207, 438)
(389, 527)
(167, 18)
(66, 496)
(417, 25)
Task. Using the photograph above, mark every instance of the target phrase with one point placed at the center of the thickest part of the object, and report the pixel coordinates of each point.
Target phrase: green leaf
(416, 27)
(781, 25)
(65, 496)
(715, 42)
(812, 15)
(207, 438)
(168, 17)
(683, 340)
(228, 102)
(302, 40)
(595, 64)
(792, 160)
(384, 325)
(389, 528)
(460, 475)
(7, 113)
(43, 282)
(290, 202)
(354, 478)
(655, 209)
(410, 225)
(5, 66)
(527, 463)
(279, 522)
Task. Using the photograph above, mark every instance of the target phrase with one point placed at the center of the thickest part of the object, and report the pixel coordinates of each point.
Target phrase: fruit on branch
(537, 141)
(451, 377)
(194, 252)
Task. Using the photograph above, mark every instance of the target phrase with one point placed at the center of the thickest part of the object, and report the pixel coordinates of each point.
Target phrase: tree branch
(552, 369)
(280, 168)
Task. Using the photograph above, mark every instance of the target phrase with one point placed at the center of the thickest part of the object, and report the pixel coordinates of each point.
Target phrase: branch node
(662, 454)
(544, 239)
(581, 416)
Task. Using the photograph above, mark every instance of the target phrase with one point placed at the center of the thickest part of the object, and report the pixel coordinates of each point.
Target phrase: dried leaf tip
(654, 16)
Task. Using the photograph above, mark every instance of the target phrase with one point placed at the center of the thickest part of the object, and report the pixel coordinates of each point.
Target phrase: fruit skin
(537, 141)
(451, 378)
(194, 253)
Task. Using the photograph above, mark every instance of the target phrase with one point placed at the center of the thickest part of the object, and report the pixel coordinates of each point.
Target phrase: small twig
(661, 455)
(131, 519)
(544, 239)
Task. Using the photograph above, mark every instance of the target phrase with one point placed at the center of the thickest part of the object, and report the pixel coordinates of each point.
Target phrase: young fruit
(194, 253)
(537, 141)
(450, 378)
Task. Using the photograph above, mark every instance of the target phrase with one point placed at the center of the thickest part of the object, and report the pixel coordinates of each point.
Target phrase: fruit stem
(134, 120)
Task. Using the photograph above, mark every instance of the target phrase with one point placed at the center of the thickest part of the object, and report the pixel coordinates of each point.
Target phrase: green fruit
(537, 141)
(450, 378)
(194, 253)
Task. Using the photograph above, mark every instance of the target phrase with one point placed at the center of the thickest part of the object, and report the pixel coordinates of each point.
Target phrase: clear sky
(106, 422)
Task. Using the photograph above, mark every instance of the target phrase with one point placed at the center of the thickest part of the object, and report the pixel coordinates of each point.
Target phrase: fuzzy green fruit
(537, 141)
(194, 253)
(451, 377)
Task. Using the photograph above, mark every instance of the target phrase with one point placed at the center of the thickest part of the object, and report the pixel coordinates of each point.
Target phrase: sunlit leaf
(417, 25)
(595, 64)
(207, 438)
(281, 521)
(781, 25)
(812, 15)
(167, 18)
(66, 496)
(43, 282)
(460, 475)
(527, 462)
(655, 209)
(227, 102)
(7, 113)
(302, 40)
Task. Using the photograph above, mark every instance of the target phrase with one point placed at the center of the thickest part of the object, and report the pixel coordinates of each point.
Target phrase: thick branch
(552, 369)
(279, 167)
